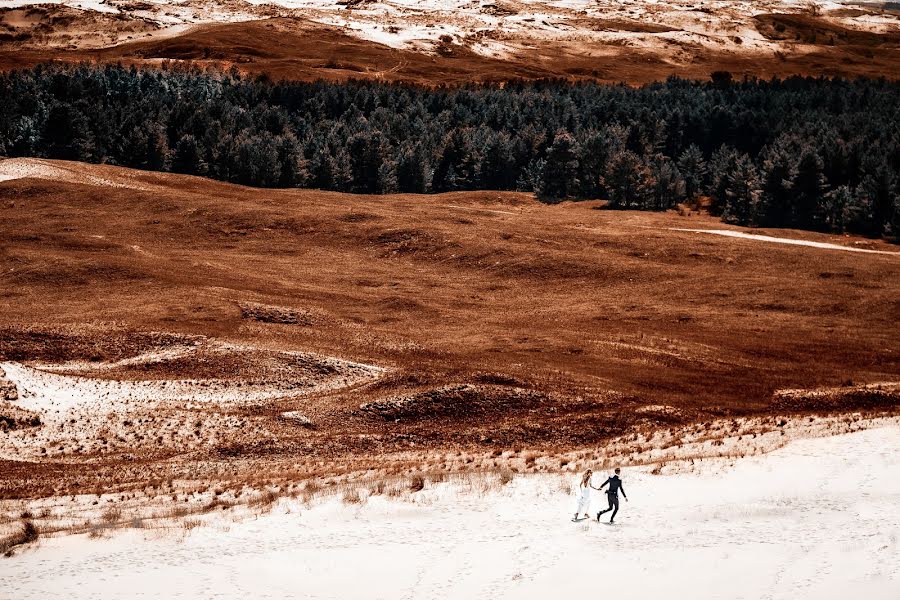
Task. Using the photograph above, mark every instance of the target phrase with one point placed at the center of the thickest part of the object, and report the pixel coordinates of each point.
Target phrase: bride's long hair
(586, 478)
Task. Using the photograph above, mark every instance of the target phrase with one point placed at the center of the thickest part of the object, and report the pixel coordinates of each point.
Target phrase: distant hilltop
(447, 41)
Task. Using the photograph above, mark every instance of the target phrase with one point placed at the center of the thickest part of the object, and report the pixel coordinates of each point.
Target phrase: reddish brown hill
(447, 286)
(286, 48)
(503, 323)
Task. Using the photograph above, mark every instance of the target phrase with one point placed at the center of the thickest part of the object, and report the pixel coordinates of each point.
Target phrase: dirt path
(778, 240)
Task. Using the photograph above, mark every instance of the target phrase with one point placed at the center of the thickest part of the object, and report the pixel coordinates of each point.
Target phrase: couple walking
(612, 495)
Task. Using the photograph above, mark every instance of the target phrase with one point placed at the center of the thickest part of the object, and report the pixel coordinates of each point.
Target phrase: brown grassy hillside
(510, 322)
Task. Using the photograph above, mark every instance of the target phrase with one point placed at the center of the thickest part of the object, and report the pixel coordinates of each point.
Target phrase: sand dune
(290, 302)
(781, 240)
(814, 519)
(452, 41)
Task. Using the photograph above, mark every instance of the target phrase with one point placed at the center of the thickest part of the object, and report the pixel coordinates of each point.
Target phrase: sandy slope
(815, 519)
(781, 240)
(457, 41)
(591, 324)
(495, 28)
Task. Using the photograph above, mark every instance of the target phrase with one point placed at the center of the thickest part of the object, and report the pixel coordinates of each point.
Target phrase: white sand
(816, 519)
(89, 412)
(36, 168)
(509, 24)
(779, 240)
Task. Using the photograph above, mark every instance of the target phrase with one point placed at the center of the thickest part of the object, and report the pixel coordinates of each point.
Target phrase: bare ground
(168, 329)
(612, 43)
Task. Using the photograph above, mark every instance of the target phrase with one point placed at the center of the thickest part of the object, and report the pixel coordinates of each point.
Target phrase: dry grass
(191, 524)
(353, 496)
(112, 515)
(292, 48)
(27, 534)
(416, 483)
(660, 452)
(579, 302)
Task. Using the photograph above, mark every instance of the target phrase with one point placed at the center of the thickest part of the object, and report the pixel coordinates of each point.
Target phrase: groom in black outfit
(612, 495)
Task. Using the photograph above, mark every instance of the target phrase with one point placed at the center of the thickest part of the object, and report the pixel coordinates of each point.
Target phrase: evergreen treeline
(808, 153)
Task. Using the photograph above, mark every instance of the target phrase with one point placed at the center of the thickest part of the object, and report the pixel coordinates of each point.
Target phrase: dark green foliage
(559, 176)
(809, 187)
(412, 168)
(742, 191)
(778, 198)
(693, 170)
(810, 153)
(721, 165)
(878, 188)
(188, 157)
(628, 180)
(668, 184)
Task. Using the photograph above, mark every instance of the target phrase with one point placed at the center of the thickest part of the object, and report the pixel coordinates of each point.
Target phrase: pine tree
(742, 192)
(157, 152)
(857, 214)
(530, 180)
(321, 169)
(809, 186)
(412, 169)
(693, 169)
(835, 208)
(668, 184)
(24, 137)
(457, 156)
(721, 165)
(387, 177)
(497, 169)
(365, 160)
(188, 157)
(295, 168)
(878, 187)
(776, 207)
(67, 133)
(559, 177)
(594, 151)
(628, 181)
(895, 217)
(341, 171)
(254, 160)
(451, 180)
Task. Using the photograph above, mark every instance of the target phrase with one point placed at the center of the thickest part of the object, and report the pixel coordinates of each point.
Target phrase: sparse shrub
(352, 496)
(111, 515)
(191, 524)
(28, 534)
